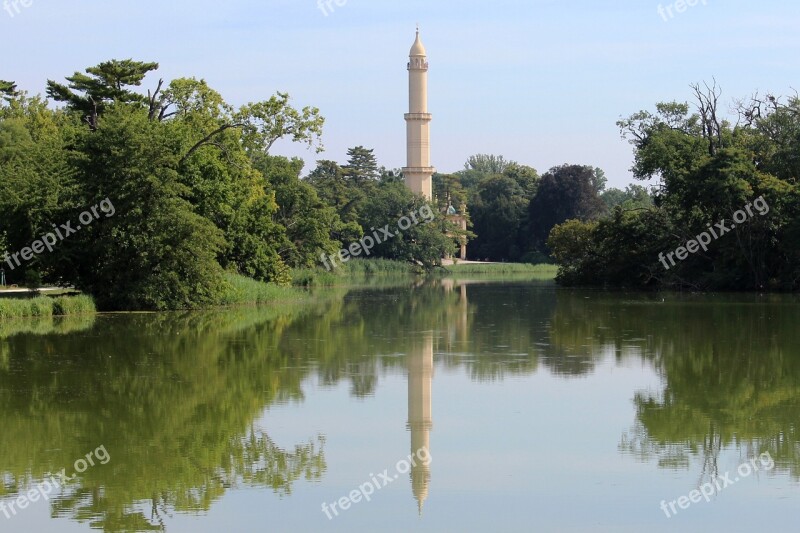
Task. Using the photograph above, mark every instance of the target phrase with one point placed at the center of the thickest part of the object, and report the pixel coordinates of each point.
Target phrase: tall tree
(497, 209)
(362, 166)
(107, 82)
(564, 193)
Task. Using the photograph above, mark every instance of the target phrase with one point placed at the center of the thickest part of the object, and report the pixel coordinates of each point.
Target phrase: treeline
(191, 193)
(727, 202)
(512, 209)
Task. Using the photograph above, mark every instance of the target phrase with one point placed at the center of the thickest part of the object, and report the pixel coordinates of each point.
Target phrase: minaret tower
(418, 171)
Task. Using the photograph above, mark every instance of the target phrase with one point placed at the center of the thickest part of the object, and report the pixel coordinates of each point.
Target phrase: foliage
(707, 170)
(194, 191)
(497, 194)
(498, 210)
(425, 243)
(564, 193)
(105, 84)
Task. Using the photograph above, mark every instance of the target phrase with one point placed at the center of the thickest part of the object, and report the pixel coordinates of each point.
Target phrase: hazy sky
(541, 82)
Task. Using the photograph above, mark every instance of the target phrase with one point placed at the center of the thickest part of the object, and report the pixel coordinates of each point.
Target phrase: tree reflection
(729, 364)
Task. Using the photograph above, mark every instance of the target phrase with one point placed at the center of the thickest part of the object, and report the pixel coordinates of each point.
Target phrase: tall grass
(74, 305)
(538, 271)
(44, 306)
(352, 271)
(243, 291)
(502, 268)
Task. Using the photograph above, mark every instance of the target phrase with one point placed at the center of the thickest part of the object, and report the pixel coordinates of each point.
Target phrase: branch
(152, 99)
(207, 139)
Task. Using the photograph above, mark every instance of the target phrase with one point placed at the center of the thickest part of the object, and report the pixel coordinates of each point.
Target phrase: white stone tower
(418, 171)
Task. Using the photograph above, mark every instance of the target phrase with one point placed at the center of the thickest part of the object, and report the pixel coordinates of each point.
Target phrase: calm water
(530, 408)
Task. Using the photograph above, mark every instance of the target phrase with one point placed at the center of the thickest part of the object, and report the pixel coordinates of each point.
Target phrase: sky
(541, 82)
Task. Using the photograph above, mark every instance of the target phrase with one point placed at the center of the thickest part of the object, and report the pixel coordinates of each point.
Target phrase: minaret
(420, 420)
(418, 171)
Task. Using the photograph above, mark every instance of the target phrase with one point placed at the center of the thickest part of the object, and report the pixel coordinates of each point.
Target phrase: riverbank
(244, 291)
(46, 306)
(542, 271)
(360, 270)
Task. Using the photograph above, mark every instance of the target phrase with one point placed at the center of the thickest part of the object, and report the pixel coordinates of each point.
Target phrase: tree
(498, 212)
(105, 83)
(310, 227)
(155, 252)
(487, 164)
(362, 167)
(8, 90)
(633, 197)
(424, 243)
(447, 191)
(37, 178)
(564, 193)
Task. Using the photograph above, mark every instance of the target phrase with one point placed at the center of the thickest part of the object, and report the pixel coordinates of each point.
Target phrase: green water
(541, 409)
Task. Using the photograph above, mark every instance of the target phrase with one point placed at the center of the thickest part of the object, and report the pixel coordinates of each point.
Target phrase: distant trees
(512, 209)
(496, 192)
(633, 197)
(367, 197)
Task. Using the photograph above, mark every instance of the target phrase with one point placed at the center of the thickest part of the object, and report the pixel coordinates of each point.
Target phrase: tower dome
(418, 49)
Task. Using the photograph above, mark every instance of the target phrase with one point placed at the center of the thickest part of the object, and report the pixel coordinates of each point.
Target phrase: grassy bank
(45, 306)
(360, 270)
(352, 272)
(246, 291)
(537, 271)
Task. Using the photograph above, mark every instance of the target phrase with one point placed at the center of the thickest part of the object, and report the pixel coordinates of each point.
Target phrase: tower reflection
(420, 421)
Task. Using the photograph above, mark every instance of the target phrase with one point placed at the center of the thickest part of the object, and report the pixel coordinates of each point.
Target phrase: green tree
(425, 243)
(155, 252)
(564, 193)
(107, 82)
(8, 90)
(362, 167)
(497, 209)
(311, 226)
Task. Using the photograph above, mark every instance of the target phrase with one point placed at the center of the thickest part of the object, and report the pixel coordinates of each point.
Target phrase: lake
(442, 405)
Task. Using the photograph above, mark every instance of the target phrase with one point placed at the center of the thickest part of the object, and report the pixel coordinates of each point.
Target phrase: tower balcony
(419, 170)
(423, 117)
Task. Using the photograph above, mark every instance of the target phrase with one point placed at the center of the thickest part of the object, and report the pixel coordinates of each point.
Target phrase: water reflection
(171, 397)
(174, 397)
(420, 417)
